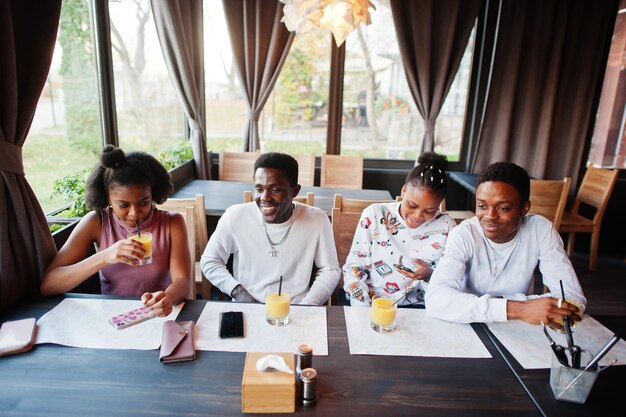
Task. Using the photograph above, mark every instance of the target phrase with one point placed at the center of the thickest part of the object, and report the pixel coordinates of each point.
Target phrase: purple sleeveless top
(123, 279)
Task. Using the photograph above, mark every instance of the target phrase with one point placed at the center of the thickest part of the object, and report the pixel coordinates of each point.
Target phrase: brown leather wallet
(177, 342)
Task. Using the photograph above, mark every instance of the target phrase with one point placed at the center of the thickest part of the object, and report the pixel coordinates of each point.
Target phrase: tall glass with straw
(277, 306)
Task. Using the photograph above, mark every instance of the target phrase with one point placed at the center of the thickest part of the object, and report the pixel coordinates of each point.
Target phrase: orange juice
(146, 240)
(383, 314)
(277, 308)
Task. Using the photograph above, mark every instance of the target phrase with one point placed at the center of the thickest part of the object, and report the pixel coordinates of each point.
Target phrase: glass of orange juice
(277, 308)
(575, 303)
(145, 238)
(383, 314)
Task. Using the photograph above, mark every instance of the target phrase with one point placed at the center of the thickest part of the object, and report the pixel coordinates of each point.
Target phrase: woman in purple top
(122, 190)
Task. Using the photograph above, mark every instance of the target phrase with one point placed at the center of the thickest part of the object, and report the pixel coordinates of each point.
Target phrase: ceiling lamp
(339, 16)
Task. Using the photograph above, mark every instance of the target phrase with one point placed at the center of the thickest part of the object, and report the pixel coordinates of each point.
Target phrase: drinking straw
(138, 232)
(280, 285)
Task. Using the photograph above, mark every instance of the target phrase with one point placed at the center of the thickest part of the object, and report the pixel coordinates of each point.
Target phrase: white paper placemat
(416, 334)
(307, 325)
(530, 347)
(83, 322)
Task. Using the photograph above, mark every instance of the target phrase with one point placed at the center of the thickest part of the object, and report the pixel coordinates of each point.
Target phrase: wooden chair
(342, 171)
(344, 226)
(349, 205)
(237, 166)
(306, 169)
(309, 199)
(548, 198)
(595, 190)
(190, 222)
(201, 237)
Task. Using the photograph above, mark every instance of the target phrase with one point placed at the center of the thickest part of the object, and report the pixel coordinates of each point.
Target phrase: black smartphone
(231, 324)
(404, 268)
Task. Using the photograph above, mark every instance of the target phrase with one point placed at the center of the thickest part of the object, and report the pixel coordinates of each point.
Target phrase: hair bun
(434, 159)
(112, 157)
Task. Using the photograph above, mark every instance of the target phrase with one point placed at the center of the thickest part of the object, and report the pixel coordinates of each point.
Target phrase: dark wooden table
(605, 398)
(219, 195)
(54, 380)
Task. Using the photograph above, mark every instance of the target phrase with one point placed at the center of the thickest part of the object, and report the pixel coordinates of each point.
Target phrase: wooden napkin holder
(268, 392)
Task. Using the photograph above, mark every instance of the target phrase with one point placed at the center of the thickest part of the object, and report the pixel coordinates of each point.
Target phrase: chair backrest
(341, 171)
(595, 190)
(548, 198)
(344, 226)
(190, 222)
(201, 234)
(309, 199)
(349, 205)
(306, 169)
(237, 166)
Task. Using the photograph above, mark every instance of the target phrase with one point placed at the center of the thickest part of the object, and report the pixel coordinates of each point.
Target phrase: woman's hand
(159, 302)
(542, 309)
(125, 251)
(421, 272)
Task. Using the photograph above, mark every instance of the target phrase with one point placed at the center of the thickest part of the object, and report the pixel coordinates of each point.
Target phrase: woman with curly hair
(122, 191)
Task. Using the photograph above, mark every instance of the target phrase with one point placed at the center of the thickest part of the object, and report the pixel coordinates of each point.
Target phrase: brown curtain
(432, 36)
(549, 55)
(179, 28)
(28, 31)
(260, 44)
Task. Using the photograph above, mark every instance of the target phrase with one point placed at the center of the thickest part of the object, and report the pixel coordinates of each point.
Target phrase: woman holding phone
(396, 245)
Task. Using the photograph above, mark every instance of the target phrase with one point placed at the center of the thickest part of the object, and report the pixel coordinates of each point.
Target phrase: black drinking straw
(138, 232)
(280, 285)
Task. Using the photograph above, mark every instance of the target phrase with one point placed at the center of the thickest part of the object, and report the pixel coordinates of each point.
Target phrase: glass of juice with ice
(145, 238)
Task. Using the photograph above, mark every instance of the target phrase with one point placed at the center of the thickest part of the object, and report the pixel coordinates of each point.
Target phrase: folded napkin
(177, 342)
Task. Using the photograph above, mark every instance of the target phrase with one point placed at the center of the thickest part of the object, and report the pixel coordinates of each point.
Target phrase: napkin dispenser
(268, 391)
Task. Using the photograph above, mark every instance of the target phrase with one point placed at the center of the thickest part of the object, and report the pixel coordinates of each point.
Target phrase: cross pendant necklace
(273, 251)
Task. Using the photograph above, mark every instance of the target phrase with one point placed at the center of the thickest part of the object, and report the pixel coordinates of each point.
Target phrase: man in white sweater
(271, 237)
(486, 272)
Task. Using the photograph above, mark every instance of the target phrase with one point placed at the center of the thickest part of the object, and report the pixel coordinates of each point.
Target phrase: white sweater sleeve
(556, 266)
(328, 272)
(445, 298)
(216, 254)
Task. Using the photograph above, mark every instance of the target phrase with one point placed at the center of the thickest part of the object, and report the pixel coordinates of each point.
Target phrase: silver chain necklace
(273, 251)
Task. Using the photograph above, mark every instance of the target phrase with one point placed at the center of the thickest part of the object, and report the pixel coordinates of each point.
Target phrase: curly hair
(430, 173)
(286, 163)
(509, 173)
(117, 168)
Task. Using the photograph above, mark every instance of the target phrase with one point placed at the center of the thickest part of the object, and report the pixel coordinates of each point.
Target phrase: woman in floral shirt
(397, 245)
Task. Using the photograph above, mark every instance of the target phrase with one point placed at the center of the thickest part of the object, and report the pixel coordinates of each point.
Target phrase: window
(65, 134)
(226, 108)
(380, 118)
(295, 116)
(149, 114)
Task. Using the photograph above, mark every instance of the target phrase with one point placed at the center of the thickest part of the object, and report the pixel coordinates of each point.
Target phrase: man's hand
(543, 309)
(240, 294)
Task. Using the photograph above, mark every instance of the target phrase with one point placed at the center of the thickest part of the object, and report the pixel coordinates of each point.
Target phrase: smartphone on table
(124, 320)
(231, 324)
